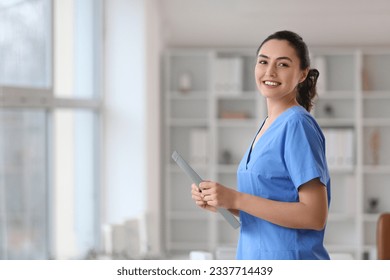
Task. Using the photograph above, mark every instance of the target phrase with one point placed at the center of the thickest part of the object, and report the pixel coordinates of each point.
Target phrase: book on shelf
(319, 63)
(199, 153)
(339, 147)
(228, 76)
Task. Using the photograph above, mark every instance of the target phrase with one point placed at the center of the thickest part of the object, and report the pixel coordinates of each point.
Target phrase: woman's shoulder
(299, 116)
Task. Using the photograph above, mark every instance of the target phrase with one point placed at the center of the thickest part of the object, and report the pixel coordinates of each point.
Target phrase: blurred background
(90, 113)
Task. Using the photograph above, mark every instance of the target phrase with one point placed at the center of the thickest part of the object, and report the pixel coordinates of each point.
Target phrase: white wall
(247, 22)
(131, 110)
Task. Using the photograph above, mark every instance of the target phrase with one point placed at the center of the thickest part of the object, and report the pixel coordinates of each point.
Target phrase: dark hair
(306, 89)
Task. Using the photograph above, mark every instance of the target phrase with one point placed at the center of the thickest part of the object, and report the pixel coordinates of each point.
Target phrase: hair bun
(313, 74)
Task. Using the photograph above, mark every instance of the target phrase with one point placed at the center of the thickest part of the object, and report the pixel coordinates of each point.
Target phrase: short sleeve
(304, 152)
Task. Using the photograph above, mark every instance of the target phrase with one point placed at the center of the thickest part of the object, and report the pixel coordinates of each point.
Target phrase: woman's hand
(217, 195)
(198, 197)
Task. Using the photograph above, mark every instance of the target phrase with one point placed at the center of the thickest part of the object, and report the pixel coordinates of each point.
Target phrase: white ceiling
(248, 22)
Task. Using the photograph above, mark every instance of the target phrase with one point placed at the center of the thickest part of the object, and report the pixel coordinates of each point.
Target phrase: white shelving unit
(353, 108)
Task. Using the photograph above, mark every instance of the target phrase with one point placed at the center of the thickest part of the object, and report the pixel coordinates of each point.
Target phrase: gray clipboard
(229, 217)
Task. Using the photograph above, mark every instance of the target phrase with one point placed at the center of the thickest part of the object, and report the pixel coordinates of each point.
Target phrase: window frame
(23, 97)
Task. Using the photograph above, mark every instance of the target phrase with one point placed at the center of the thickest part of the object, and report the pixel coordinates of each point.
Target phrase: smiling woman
(293, 66)
(283, 180)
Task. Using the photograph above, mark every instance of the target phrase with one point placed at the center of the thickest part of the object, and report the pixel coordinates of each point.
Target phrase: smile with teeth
(271, 83)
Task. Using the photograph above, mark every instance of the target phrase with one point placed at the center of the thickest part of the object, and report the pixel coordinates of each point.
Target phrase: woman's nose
(270, 71)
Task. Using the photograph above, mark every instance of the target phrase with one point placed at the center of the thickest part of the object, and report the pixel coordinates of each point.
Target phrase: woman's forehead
(277, 48)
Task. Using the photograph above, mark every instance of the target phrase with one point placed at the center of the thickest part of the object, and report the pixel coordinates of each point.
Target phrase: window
(24, 43)
(23, 185)
(49, 128)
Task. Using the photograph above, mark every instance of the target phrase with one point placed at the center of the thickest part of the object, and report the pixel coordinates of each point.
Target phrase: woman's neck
(276, 108)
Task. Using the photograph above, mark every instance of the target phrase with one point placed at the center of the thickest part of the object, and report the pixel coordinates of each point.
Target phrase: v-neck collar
(278, 118)
(253, 141)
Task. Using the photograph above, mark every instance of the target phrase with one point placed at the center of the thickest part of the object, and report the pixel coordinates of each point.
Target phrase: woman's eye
(262, 62)
(283, 65)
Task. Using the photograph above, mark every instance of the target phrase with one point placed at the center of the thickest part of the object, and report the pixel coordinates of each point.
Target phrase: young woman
(283, 180)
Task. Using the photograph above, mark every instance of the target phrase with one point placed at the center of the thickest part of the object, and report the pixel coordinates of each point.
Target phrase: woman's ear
(304, 75)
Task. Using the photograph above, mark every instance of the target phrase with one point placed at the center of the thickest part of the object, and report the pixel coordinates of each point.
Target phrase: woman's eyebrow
(279, 58)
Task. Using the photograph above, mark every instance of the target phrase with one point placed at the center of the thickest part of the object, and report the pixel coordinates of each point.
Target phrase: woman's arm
(309, 213)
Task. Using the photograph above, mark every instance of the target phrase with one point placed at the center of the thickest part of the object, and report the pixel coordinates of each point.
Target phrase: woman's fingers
(198, 196)
(205, 195)
(208, 197)
(206, 185)
(200, 203)
(195, 190)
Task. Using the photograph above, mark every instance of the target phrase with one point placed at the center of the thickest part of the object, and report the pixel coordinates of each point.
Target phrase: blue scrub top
(290, 153)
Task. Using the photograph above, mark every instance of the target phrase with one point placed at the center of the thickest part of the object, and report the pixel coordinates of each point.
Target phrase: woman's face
(277, 70)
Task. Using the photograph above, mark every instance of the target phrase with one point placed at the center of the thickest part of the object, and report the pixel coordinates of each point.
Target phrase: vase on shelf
(373, 205)
(185, 83)
(375, 146)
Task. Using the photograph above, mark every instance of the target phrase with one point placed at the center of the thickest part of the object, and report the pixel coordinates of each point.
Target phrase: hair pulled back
(307, 89)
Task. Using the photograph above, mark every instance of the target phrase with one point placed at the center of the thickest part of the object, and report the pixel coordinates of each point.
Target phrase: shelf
(189, 96)
(323, 122)
(342, 169)
(349, 100)
(376, 169)
(375, 72)
(376, 109)
(244, 95)
(337, 95)
(334, 66)
(338, 217)
(237, 122)
(374, 95)
(340, 248)
(371, 218)
(374, 122)
(188, 122)
(370, 248)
